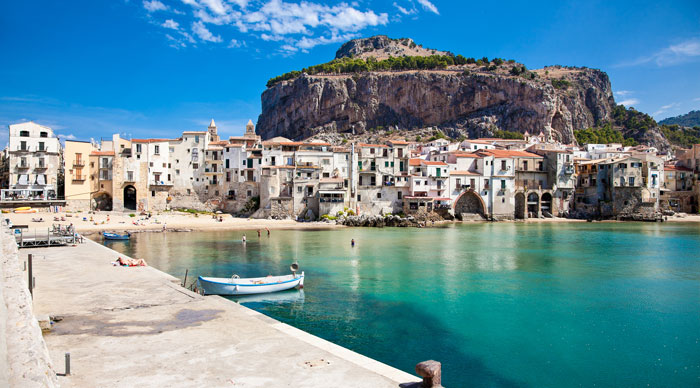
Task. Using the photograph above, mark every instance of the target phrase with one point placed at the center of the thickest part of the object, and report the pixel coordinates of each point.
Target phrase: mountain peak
(382, 47)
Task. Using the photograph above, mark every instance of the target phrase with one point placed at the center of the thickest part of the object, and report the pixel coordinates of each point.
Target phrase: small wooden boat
(114, 236)
(248, 286)
(25, 210)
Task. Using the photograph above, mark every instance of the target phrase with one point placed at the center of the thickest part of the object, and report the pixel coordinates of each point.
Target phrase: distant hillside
(690, 119)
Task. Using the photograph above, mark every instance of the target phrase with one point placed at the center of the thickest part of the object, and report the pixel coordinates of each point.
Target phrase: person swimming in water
(352, 242)
(244, 237)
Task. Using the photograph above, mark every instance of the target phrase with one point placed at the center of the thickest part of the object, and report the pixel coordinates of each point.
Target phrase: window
(195, 166)
(525, 165)
(43, 134)
(156, 176)
(156, 150)
(172, 149)
(379, 195)
(250, 193)
(150, 164)
(130, 176)
(371, 150)
(169, 179)
(503, 164)
(386, 164)
(163, 165)
(458, 182)
(298, 189)
(196, 139)
(359, 198)
(631, 180)
(153, 193)
(540, 167)
(216, 192)
(399, 195)
(138, 148)
(326, 162)
(23, 146)
(24, 133)
(188, 191)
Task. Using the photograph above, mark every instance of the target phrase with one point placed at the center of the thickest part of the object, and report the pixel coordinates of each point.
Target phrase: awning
(40, 180)
(331, 191)
(23, 179)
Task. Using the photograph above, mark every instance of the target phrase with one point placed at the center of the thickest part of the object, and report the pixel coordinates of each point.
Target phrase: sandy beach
(87, 223)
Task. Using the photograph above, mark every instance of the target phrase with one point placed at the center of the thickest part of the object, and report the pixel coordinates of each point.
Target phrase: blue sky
(154, 68)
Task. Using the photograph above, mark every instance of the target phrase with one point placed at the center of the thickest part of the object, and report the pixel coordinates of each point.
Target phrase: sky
(155, 68)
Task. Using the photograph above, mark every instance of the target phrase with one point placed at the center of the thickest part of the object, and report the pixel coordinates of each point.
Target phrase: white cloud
(686, 51)
(623, 93)
(67, 137)
(154, 5)
(629, 102)
(696, 99)
(429, 6)
(235, 43)
(666, 108)
(405, 11)
(171, 24)
(199, 29)
(298, 26)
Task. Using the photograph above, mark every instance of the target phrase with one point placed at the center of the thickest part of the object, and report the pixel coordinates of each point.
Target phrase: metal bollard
(67, 364)
(30, 279)
(431, 372)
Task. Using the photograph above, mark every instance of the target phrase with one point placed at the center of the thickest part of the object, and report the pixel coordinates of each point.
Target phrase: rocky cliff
(472, 99)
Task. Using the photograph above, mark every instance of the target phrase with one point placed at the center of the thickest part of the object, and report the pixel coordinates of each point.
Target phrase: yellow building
(77, 178)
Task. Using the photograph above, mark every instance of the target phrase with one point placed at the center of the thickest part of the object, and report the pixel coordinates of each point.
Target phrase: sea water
(499, 304)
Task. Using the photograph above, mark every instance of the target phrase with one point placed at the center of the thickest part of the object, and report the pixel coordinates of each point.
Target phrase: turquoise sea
(499, 304)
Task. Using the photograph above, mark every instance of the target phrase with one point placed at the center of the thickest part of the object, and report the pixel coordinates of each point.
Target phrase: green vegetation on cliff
(502, 134)
(602, 135)
(681, 136)
(360, 65)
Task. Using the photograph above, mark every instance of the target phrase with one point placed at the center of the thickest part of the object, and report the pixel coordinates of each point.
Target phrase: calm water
(499, 304)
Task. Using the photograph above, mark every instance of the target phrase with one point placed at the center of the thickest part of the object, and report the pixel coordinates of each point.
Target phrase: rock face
(473, 103)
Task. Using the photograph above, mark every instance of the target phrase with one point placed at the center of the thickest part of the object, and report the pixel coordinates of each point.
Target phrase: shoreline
(186, 222)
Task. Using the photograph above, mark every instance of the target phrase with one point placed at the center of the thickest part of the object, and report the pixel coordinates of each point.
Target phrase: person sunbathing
(131, 262)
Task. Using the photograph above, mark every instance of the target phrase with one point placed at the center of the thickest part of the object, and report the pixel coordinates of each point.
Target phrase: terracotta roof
(509, 154)
(459, 172)
(476, 141)
(363, 145)
(283, 143)
(398, 142)
(414, 162)
(462, 154)
(431, 163)
(151, 140)
(331, 180)
(222, 142)
(102, 153)
(233, 146)
(671, 167)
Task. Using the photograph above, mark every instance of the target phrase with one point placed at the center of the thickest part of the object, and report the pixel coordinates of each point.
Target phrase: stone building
(78, 190)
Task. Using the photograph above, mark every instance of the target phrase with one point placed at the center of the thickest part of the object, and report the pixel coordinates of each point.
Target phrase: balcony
(209, 171)
(22, 165)
(126, 152)
(40, 166)
(79, 177)
(527, 185)
(78, 163)
(160, 183)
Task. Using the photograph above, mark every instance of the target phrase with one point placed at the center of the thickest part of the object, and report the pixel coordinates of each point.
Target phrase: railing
(22, 165)
(331, 200)
(160, 183)
(78, 163)
(79, 178)
(528, 185)
(40, 167)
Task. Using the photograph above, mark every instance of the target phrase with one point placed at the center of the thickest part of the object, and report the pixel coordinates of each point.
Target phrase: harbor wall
(24, 358)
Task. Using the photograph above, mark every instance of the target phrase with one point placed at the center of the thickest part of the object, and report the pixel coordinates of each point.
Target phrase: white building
(34, 161)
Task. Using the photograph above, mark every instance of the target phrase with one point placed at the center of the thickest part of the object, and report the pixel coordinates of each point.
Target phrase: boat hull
(226, 286)
(114, 236)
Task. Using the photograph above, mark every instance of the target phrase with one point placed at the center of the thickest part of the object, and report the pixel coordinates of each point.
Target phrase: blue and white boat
(249, 286)
(114, 236)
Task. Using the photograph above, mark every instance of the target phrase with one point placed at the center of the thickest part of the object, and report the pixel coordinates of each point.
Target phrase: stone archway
(102, 201)
(520, 206)
(546, 204)
(470, 205)
(533, 205)
(130, 197)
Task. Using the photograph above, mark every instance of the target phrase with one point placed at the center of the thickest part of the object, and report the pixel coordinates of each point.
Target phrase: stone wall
(281, 208)
(24, 358)
(77, 205)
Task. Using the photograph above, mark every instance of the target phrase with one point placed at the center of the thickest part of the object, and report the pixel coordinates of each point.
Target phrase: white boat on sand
(248, 286)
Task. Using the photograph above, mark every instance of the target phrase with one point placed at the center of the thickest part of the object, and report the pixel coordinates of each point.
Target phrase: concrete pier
(136, 327)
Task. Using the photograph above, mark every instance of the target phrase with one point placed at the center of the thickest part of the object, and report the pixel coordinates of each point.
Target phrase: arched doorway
(469, 205)
(546, 205)
(102, 201)
(520, 206)
(533, 205)
(130, 197)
